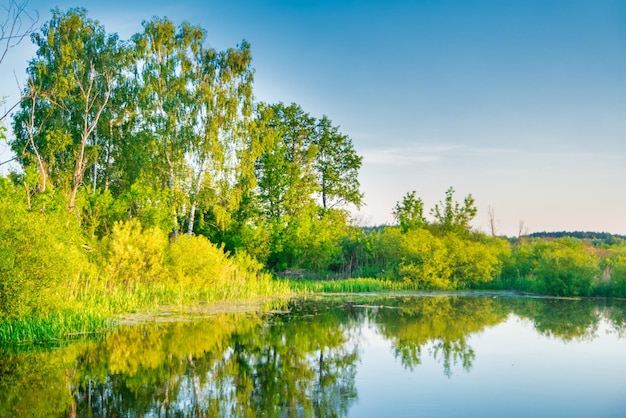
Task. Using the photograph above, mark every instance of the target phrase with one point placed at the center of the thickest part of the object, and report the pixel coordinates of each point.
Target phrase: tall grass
(51, 328)
(133, 270)
(357, 285)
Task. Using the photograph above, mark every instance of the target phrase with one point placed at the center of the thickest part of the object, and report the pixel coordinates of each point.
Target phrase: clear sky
(520, 103)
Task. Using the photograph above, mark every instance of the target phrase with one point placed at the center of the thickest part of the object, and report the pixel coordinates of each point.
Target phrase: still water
(429, 355)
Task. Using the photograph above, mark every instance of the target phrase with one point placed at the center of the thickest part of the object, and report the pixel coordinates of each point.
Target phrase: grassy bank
(96, 311)
(52, 289)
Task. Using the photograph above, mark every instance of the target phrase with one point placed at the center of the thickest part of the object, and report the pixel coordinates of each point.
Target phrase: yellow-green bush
(567, 269)
(473, 262)
(561, 267)
(42, 258)
(134, 256)
(193, 261)
(425, 260)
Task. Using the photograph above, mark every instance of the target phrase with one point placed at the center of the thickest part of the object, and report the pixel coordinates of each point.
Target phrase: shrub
(385, 248)
(566, 271)
(425, 260)
(134, 256)
(617, 284)
(193, 261)
(562, 267)
(41, 256)
(475, 261)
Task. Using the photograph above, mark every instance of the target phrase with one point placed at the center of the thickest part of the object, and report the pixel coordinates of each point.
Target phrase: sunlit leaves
(409, 212)
(562, 267)
(70, 82)
(337, 166)
(452, 216)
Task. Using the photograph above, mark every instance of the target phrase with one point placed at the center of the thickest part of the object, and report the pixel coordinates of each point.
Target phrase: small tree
(409, 212)
(336, 166)
(451, 216)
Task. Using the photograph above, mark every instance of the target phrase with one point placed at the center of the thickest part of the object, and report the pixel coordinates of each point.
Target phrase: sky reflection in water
(516, 373)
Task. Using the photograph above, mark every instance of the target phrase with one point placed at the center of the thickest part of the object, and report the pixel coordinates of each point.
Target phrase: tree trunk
(192, 217)
(79, 171)
(192, 212)
(88, 128)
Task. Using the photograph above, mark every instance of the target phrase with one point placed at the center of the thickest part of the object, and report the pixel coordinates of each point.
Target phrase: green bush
(617, 282)
(425, 260)
(562, 267)
(195, 262)
(566, 271)
(132, 255)
(385, 247)
(42, 259)
(475, 261)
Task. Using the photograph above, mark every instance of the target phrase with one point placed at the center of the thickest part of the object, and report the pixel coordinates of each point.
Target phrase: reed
(52, 328)
(356, 285)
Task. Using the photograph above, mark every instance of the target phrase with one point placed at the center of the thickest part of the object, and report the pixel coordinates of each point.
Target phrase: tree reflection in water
(299, 363)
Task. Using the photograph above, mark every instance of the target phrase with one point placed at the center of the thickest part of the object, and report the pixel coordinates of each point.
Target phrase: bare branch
(493, 222)
(15, 26)
(522, 229)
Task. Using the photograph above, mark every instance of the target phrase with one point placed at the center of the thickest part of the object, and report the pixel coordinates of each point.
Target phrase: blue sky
(521, 103)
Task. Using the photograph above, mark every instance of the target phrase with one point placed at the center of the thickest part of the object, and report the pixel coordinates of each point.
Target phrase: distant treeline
(605, 237)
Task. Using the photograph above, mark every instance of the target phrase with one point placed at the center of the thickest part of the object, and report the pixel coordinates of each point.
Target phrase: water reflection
(302, 362)
(440, 323)
(565, 319)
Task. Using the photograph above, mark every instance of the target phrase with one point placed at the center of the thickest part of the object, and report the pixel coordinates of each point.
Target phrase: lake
(418, 355)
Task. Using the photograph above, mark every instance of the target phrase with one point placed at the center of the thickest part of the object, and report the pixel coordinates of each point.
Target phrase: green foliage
(194, 262)
(285, 172)
(150, 205)
(41, 256)
(425, 260)
(618, 277)
(385, 252)
(409, 213)
(612, 281)
(475, 261)
(96, 210)
(355, 285)
(567, 270)
(450, 262)
(562, 267)
(71, 78)
(167, 133)
(303, 158)
(314, 242)
(451, 216)
(336, 165)
(133, 255)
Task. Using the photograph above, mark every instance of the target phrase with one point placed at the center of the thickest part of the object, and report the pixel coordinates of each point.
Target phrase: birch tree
(164, 102)
(70, 82)
(222, 86)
